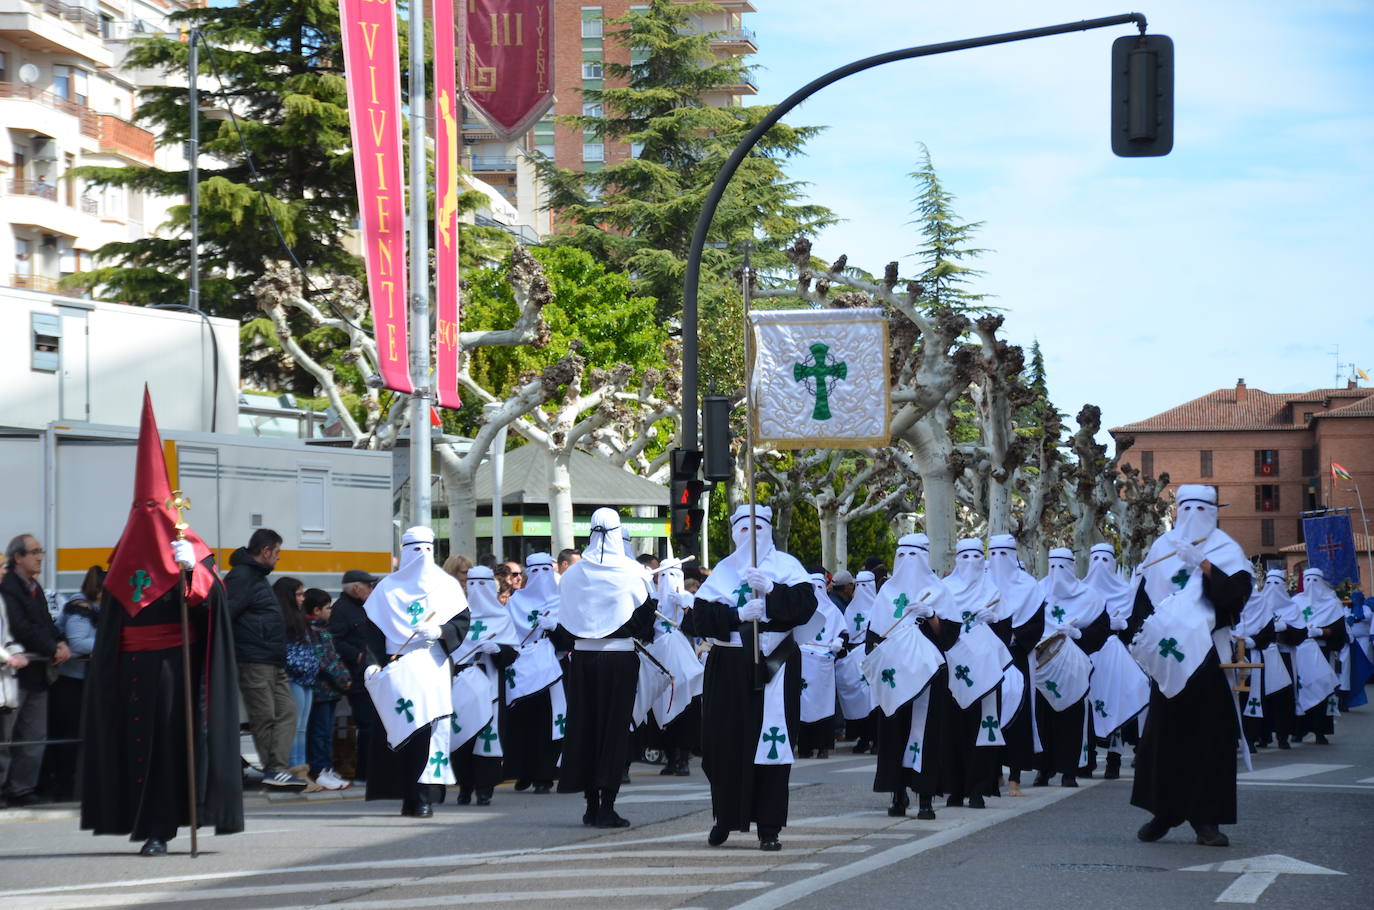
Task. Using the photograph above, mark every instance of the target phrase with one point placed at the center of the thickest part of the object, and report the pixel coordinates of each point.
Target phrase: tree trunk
(782, 521)
(841, 544)
(930, 450)
(826, 519)
(560, 501)
(462, 500)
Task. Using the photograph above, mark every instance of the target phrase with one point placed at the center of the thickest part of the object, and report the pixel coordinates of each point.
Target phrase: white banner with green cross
(819, 378)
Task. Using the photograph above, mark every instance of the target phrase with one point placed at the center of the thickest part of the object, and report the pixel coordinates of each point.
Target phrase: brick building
(1269, 455)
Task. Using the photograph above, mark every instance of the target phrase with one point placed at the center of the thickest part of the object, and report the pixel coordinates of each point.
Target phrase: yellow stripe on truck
(79, 559)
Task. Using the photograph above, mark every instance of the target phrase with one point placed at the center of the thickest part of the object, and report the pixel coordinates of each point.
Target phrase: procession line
(781, 896)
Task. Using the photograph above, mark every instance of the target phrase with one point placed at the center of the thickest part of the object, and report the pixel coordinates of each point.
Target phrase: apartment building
(66, 101)
(583, 44)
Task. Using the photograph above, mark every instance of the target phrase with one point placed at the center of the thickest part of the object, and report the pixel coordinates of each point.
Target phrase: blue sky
(1246, 252)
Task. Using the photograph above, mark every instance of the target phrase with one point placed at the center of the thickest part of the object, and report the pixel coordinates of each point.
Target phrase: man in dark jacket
(354, 638)
(31, 626)
(260, 644)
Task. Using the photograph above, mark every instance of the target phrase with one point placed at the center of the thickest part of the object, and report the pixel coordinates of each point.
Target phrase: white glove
(1249, 642)
(1118, 623)
(754, 609)
(1072, 631)
(685, 600)
(1189, 555)
(548, 622)
(429, 632)
(759, 580)
(985, 614)
(488, 647)
(922, 610)
(184, 554)
(1280, 625)
(1315, 631)
(371, 672)
(837, 647)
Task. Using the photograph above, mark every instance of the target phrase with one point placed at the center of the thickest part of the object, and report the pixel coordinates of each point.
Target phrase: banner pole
(420, 455)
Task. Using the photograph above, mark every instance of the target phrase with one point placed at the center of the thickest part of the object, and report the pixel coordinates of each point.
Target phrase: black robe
(1280, 708)
(1062, 732)
(1186, 761)
(601, 691)
(968, 769)
(133, 764)
(1257, 728)
(1019, 754)
(527, 739)
(732, 709)
(472, 769)
(395, 773)
(890, 743)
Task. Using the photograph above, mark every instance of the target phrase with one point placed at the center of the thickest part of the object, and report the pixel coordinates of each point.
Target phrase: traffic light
(685, 490)
(1142, 95)
(715, 413)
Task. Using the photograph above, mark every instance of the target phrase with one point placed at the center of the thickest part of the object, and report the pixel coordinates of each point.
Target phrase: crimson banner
(448, 139)
(373, 78)
(508, 76)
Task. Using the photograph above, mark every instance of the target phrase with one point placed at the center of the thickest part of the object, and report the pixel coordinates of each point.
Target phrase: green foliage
(944, 249)
(638, 215)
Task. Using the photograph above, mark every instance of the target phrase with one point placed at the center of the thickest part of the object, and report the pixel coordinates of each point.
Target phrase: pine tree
(944, 275)
(638, 215)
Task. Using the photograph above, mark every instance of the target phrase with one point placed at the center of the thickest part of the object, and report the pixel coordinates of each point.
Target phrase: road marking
(1290, 771)
(1365, 780)
(504, 897)
(1256, 874)
(848, 848)
(974, 822)
(1303, 785)
(866, 769)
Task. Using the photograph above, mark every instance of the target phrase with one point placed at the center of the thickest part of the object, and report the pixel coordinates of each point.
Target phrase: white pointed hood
(601, 590)
(912, 582)
(490, 619)
(1019, 590)
(970, 588)
(1067, 599)
(727, 577)
(1102, 576)
(1316, 603)
(418, 592)
(538, 596)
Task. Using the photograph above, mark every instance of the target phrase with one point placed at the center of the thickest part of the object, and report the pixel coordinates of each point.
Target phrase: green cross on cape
(487, 737)
(1054, 687)
(510, 676)
(858, 621)
(138, 581)
(561, 723)
(820, 371)
(477, 629)
(439, 760)
(773, 737)
(1100, 707)
(991, 724)
(1057, 613)
(742, 592)
(914, 749)
(407, 707)
(961, 672)
(1168, 647)
(890, 677)
(531, 617)
(1180, 578)
(414, 610)
(900, 602)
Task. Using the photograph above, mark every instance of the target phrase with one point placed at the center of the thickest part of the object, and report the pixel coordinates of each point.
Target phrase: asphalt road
(1306, 814)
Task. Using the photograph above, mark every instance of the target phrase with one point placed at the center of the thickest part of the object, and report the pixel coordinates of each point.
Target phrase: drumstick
(653, 660)
(1155, 562)
(903, 619)
(672, 564)
(667, 620)
(465, 657)
(534, 628)
(412, 638)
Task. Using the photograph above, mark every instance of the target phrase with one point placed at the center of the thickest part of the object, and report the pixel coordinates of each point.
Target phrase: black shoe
(423, 810)
(1069, 781)
(593, 808)
(900, 802)
(29, 799)
(954, 802)
(1086, 771)
(772, 845)
(806, 753)
(668, 770)
(1322, 740)
(683, 768)
(465, 797)
(1209, 836)
(1042, 779)
(1113, 771)
(609, 818)
(484, 800)
(717, 836)
(1153, 830)
(522, 785)
(1283, 744)
(542, 789)
(976, 802)
(153, 846)
(926, 812)
(861, 747)
(625, 778)
(823, 753)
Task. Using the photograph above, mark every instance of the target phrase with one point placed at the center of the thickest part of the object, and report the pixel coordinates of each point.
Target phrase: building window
(593, 110)
(1206, 458)
(62, 82)
(1266, 462)
(1147, 464)
(1266, 532)
(593, 151)
(592, 23)
(1267, 497)
(1309, 462)
(4, 67)
(591, 69)
(636, 149)
(1306, 416)
(544, 149)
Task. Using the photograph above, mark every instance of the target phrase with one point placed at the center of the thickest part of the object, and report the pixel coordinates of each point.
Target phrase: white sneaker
(331, 781)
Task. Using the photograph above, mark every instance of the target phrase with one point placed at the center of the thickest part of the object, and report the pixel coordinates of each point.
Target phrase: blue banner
(1331, 548)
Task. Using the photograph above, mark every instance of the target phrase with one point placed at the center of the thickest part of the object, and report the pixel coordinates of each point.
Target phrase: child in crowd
(333, 680)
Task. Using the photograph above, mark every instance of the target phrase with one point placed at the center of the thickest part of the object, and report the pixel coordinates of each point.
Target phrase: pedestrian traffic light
(1142, 95)
(715, 411)
(685, 490)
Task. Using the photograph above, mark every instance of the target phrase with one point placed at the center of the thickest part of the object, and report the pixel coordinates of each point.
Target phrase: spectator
(517, 574)
(487, 559)
(302, 665)
(32, 629)
(875, 565)
(359, 644)
(566, 558)
(504, 582)
(457, 565)
(332, 680)
(648, 561)
(77, 624)
(260, 645)
(841, 589)
(690, 583)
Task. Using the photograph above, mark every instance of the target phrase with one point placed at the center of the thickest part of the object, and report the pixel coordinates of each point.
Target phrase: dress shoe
(1322, 740)
(771, 845)
(609, 818)
(683, 767)
(900, 802)
(1113, 771)
(1042, 779)
(717, 836)
(484, 800)
(976, 802)
(522, 785)
(27, 799)
(926, 813)
(1153, 830)
(822, 753)
(954, 802)
(1210, 836)
(153, 846)
(861, 747)
(1283, 744)
(423, 810)
(593, 808)
(464, 797)
(806, 753)
(1069, 781)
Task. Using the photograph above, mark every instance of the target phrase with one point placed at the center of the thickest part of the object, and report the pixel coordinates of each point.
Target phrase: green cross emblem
(820, 634)
(1168, 647)
(773, 737)
(820, 371)
(415, 610)
(863, 679)
(900, 603)
(1180, 578)
(968, 621)
(407, 707)
(668, 627)
(991, 724)
(1306, 614)
(890, 677)
(138, 581)
(914, 749)
(561, 723)
(530, 619)
(742, 592)
(487, 737)
(1253, 704)
(858, 622)
(804, 684)
(439, 761)
(477, 629)
(454, 725)
(1057, 613)
(1054, 687)
(961, 672)
(1100, 707)
(510, 676)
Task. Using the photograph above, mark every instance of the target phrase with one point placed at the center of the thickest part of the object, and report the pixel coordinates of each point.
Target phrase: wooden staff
(533, 629)
(1155, 562)
(464, 659)
(402, 648)
(181, 502)
(903, 619)
(667, 620)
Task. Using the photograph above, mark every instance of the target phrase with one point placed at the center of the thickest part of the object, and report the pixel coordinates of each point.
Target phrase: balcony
(122, 138)
(89, 120)
(735, 41)
(45, 284)
(40, 188)
(54, 27)
(745, 86)
(489, 165)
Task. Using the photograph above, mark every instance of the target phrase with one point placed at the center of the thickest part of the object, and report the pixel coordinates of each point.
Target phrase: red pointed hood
(141, 565)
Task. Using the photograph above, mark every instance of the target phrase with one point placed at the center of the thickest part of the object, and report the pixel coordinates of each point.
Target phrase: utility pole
(421, 487)
(193, 171)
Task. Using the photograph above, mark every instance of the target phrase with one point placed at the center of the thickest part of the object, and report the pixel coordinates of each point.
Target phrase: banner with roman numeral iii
(819, 379)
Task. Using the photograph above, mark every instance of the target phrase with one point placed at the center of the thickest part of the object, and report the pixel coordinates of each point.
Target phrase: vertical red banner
(508, 71)
(373, 77)
(448, 138)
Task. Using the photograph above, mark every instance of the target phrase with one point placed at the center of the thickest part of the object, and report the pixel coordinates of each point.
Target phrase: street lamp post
(1369, 556)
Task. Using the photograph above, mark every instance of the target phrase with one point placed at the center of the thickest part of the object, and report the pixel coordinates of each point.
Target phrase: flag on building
(1339, 473)
(819, 378)
(508, 71)
(1331, 547)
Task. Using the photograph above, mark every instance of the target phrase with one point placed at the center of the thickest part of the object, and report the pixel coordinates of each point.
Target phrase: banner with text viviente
(448, 139)
(819, 378)
(373, 77)
(508, 76)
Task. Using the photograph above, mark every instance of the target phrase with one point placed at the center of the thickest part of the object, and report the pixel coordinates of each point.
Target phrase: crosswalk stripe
(507, 897)
(1290, 771)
